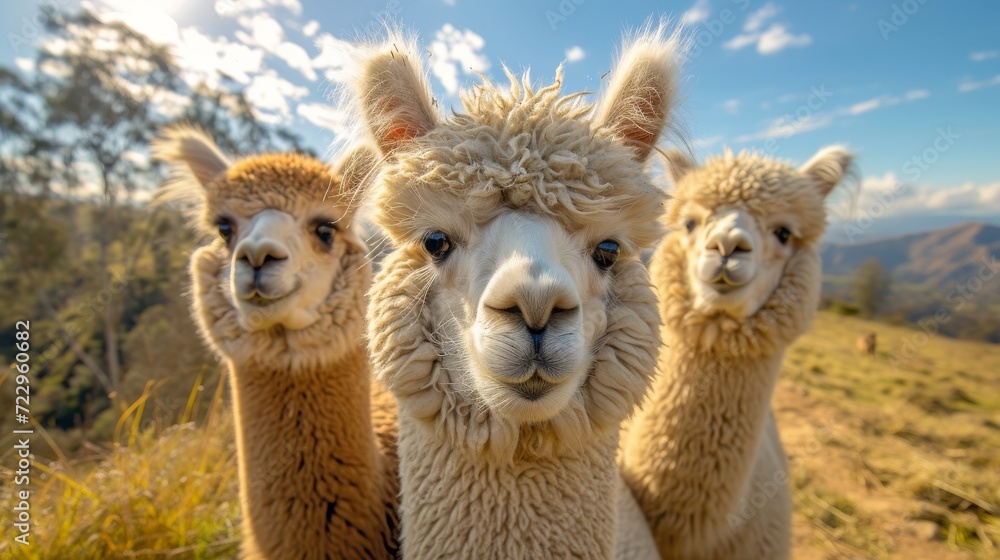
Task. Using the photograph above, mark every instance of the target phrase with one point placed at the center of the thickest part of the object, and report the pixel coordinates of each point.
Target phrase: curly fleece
(477, 485)
(317, 480)
(697, 453)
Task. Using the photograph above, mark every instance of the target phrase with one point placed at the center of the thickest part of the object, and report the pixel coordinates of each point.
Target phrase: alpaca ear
(638, 102)
(395, 97)
(828, 167)
(191, 152)
(357, 168)
(678, 164)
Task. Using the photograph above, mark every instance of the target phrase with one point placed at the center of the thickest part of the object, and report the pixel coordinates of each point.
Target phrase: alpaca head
(284, 253)
(743, 218)
(514, 298)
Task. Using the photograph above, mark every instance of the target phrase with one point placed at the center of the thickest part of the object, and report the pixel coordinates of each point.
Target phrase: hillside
(940, 258)
(890, 459)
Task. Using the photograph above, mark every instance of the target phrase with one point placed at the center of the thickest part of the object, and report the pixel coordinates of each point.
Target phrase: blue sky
(893, 80)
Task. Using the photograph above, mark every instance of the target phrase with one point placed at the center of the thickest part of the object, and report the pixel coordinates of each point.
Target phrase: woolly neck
(710, 401)
(309, 461)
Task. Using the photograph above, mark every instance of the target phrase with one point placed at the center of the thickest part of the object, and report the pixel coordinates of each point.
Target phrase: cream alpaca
(280, 294)
(514, 321)
(738, 281)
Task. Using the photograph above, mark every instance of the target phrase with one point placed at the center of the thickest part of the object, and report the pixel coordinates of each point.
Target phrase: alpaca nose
(260, 252)
(728, 241)
(535, 296)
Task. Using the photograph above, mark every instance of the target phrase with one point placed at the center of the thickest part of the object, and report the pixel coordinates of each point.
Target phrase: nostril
(536, 338)
(272, 258)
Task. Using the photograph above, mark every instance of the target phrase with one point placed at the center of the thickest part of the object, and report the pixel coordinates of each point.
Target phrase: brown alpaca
(280, 294)
(866, 343)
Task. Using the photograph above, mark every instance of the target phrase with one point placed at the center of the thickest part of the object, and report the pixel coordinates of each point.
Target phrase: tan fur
(480, 483)
(866, 343)
(316, 479)
(703, 455)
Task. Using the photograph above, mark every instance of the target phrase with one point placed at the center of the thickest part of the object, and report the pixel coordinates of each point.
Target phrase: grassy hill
(892, 456)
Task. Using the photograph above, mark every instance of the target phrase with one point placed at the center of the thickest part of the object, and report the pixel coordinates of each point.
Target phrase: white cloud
(777, 38)
(967, 86)
(26, 65)
(233, 8)
(740, 41)
(983, 55)
(266, 32)
(310, 28)
(323, 116)
(784, 127)
(790, 125)
(732, 106)
(157, 25)
(333, 57)
(697, 13)
(450, 2)
(202, 58)
(575, 54)
(965, 198)
(759, 17)
(707, 142)
(268, 94)
(884, 101)
(452, 50)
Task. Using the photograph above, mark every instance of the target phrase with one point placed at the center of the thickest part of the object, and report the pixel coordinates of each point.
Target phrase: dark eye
(606, 253)
(325, 231)
(782, 233)
(690, 225)
(225, 230)
(437, 245)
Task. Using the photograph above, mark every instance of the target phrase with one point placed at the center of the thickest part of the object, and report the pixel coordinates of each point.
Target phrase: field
(891, 457)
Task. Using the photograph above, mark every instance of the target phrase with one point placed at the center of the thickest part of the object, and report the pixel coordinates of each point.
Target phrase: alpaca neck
(311, 476)
(691, 451)
(463, 504)
(703, 423)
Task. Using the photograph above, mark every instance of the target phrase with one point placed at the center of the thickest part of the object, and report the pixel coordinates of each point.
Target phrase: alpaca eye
(782, 233)
(325, 231)
(690, 225)
(606, 253)
(225, 230)
(437, 245)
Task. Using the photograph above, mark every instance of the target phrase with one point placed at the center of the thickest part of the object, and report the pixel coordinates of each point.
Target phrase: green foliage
(871, 284)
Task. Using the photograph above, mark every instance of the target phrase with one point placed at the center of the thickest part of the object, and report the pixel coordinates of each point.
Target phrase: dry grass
(158, 494)
(903, 446)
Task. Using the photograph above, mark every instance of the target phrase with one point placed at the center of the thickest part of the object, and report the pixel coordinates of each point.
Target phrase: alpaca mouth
(533, 389)
(261, 300)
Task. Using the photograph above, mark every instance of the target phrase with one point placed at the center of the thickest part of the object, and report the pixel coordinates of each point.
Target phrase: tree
(871, 286)
(74, 138)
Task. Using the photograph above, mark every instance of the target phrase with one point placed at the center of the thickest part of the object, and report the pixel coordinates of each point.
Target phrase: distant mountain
(941, 258)
(848, 233)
